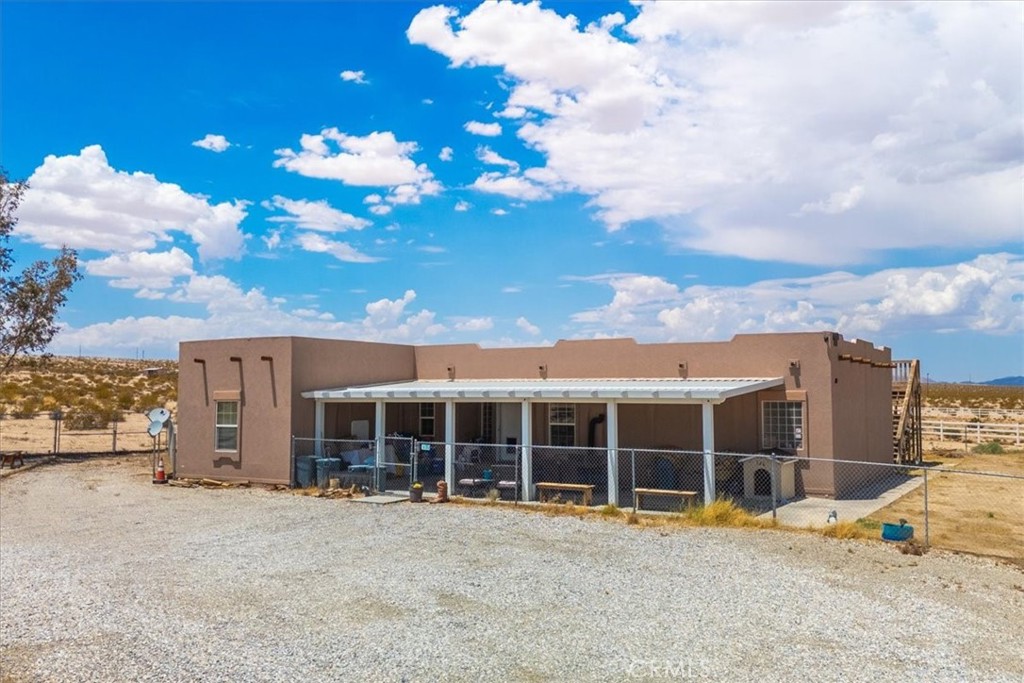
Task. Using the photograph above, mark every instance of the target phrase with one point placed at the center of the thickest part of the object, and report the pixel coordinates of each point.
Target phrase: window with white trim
(782, 424)
(562, 424)
(227, 426)
(426, 419)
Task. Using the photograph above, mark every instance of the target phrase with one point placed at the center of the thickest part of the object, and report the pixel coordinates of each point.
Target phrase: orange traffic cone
(160, 477)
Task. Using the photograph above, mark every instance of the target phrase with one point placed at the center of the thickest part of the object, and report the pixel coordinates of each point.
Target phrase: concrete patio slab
(814, 512)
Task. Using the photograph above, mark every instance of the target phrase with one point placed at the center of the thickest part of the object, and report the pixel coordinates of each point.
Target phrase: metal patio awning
(695, 390)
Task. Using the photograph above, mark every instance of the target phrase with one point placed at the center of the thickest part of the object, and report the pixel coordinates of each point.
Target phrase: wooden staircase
(906, 411)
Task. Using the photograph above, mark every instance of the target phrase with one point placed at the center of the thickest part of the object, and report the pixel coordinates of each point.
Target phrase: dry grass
(611, 511)
(970, 513)
(843, 530)
(721, 513)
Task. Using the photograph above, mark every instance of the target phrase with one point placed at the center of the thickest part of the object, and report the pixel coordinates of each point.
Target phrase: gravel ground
(105, 577)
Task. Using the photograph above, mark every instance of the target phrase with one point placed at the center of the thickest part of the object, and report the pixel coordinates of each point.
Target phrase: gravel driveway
(105, 577)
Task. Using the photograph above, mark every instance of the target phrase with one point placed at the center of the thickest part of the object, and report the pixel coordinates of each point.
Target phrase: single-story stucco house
(242, 403)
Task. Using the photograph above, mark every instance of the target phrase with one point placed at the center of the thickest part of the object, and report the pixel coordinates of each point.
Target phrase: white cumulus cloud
(314, 215)
(815, 133)
(230, 308)
(474, 324)
(983, 294)
(514, 186)
(378, 159)
(343, 251)
(142, 270)
(81, 201)
(526, 326)
(489, 156)
(488, 130)
(212, 142)
(350, 76)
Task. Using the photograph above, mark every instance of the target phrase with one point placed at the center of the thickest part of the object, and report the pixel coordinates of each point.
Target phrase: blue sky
(512, 173)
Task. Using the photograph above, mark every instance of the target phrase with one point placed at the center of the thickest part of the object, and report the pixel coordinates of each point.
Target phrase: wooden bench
(10, 457)
(685, 496)
(545, 486)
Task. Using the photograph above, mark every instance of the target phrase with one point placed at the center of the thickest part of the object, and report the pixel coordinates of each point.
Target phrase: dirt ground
(968, 512)
(35, 436)
(106, 577)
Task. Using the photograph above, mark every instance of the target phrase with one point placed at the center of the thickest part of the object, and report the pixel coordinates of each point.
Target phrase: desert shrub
(76, 419)
(9, 391)
(610, 510)
(990, 448)
(125, 399)
(103, 392)
(27, 409)
(145, 401)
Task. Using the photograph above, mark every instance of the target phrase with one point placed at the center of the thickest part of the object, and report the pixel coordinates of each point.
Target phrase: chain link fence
(975, 504)
(487, 470)
(76, 433)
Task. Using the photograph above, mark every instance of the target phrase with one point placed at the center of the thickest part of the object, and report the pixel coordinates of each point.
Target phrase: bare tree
(29, 301)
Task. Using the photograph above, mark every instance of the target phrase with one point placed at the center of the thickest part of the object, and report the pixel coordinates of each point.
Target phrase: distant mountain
(1016, 381)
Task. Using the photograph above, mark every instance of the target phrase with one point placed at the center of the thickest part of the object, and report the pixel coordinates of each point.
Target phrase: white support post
(708, 424)
(613, 452)
(379, 431)
(318, 428)
(526, 438)
(449, 443)
(378, 441)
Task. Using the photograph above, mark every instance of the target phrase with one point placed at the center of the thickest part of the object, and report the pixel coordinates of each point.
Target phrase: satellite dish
(155, 427)
(160, 415)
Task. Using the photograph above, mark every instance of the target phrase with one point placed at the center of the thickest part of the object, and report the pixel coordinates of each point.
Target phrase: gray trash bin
(305, 470)
(324, 468)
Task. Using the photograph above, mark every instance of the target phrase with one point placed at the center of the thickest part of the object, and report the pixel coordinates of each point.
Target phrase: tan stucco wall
(264, 427)
(272, 408)
(330, 363)
(862, 413)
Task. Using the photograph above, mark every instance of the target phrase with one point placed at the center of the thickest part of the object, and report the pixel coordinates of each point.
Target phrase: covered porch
(533, 430)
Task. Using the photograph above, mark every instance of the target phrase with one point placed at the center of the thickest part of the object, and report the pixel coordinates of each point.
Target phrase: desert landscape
(101, 402)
